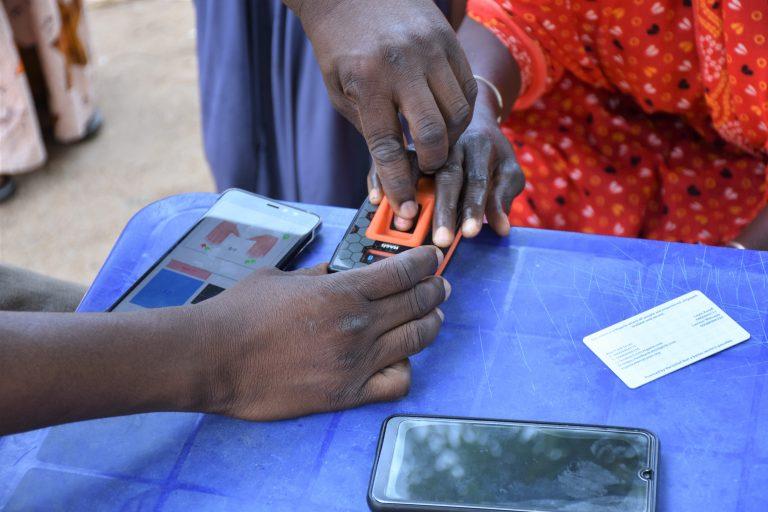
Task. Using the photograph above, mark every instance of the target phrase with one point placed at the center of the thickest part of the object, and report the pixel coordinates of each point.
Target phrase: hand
(285, 344)
(277, 345)
(381, 58)
(484, 164)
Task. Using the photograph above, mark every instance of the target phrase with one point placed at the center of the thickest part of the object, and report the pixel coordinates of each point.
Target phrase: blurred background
(65, 217)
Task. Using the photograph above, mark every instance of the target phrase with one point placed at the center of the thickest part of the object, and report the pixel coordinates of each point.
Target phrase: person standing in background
(268, 125)
(46, 84)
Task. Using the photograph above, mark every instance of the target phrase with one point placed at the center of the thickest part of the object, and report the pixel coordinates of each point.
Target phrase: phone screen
(513, 466)
(242, 232)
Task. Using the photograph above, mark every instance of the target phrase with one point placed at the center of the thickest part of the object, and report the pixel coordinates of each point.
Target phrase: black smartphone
(436, 463)
(240, 233)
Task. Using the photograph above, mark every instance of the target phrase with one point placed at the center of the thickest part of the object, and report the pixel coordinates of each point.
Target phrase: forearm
(57, 368)
(490, 59)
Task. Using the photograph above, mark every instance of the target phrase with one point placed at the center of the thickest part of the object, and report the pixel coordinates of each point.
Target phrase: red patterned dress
(638, 117)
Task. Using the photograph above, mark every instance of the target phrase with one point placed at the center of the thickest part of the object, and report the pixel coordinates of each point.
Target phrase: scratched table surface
(511, 348)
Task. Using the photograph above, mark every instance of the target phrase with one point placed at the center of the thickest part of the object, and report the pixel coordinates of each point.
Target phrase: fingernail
(409, 209)
(374, 196)
(443, 237)
(447, 286)
(403, 224)
(470, 227)
(440, 314)
(504, 228)
(440, 256)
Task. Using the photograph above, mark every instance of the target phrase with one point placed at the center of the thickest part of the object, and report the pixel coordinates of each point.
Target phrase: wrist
(487, 107)
(311, 12)
(181, 360)
(214, 366)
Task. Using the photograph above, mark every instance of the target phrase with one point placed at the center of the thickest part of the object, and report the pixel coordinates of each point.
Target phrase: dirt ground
(65, 217)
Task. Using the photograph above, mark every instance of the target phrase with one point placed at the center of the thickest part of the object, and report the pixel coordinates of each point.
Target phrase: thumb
(375, 193)
(399, 184)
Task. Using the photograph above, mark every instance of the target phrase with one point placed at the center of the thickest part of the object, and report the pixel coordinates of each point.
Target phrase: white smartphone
(240, 233)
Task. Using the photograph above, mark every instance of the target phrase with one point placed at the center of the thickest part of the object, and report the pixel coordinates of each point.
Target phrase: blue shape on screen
(166, 289)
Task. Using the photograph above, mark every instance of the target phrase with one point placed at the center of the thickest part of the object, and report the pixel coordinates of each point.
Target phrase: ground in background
(65, 217)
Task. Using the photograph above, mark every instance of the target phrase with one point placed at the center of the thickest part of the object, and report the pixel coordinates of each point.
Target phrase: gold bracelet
(496, 93)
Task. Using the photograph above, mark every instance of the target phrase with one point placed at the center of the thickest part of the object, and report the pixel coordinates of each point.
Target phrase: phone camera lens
(646, 474)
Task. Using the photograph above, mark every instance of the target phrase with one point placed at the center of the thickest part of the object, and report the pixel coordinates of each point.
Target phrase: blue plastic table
(511, 348)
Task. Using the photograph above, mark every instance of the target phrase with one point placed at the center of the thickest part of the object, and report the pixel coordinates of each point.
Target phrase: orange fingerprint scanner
(382, 225)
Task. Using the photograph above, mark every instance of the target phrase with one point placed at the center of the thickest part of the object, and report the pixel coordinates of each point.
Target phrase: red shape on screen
(262, 245)
(190, 270)
(222, 230)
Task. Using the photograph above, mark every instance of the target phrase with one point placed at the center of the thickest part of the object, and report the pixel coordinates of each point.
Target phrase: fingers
(393, 381)
(375, 194)
(477, 160)
(345, 106)
(395, 346)
(409, 339)
(383, 133)
(394, 274)
(411, 304)
(462, 72)
(404, 224)
(508, 182)
(390, 383)
(425, 121)
(452, 101)
(448, 182)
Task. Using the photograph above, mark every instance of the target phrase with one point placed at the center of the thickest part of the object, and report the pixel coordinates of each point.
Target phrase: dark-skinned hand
(276, 345)
(480, 178)
(384, 58)
(285, 344)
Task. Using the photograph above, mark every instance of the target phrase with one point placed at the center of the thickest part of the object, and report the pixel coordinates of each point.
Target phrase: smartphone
(240, 233)
(463, 464)
(371, 236)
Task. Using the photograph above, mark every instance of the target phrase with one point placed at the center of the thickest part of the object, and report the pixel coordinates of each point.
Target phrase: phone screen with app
(241, 233)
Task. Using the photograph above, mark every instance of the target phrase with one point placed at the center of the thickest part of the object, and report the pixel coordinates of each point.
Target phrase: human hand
(286, 344)
(383, 58)
(481, 162)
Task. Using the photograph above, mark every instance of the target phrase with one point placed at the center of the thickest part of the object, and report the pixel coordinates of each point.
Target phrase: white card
(665, 338)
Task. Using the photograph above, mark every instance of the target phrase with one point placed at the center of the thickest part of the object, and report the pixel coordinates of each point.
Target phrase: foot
(92, 128)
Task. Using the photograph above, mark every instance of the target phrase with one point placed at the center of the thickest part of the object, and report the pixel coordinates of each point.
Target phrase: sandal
(7, 187)
(94, 126)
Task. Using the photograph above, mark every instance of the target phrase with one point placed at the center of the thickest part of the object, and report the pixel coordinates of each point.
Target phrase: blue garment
(268, 125)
